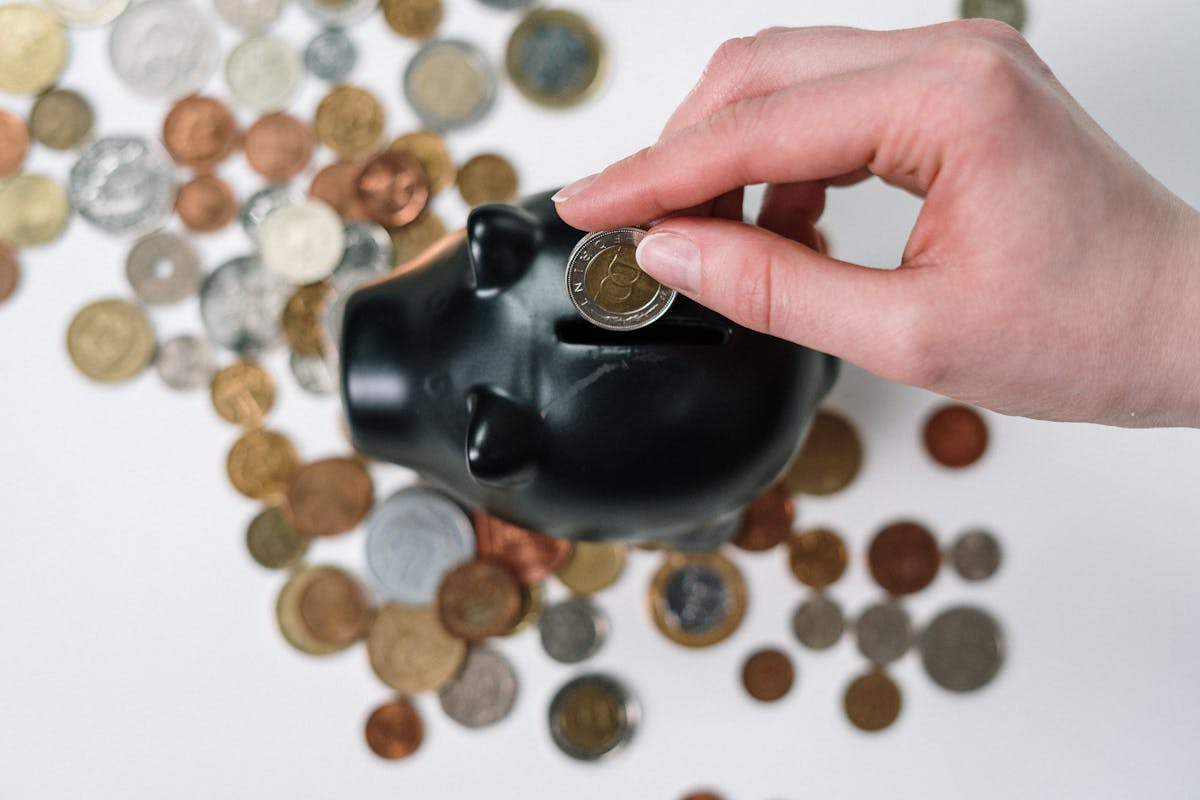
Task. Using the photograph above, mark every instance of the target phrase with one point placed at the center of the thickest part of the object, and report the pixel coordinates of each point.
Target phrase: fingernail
(672, 259)
(572, 189)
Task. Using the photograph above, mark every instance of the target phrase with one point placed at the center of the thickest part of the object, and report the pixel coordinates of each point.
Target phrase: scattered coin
(975, 555)
(697, 600)
(337, 186)
(10, 271)
(33, 48)
(962, 648)
(185, 362)
(487, 178)
(163, 48)
(593, 715)
(416, 237)
(1010, 11)
(593, 566)
(163, 268)
(339, 13)
(883, 632)
(478, 599)
(313, 374)
(123, 184)
(818, 622)
(368, 248)
(411, 652)
(329, 497)
(430, 149)
(33, 210)
(413, 538)
(14, 143)
(394, 188)
(555, 57)
(322, 610)
(61, 119)
(278, 147)
(573, 630)
(709, 536)
(263, 73)
(830, 458)
(904, 558)
(450, 84)
(88, 13)
(110, 340)
(484, 692)
(607, 286)
(302, 242)
(817, 557)
(349, 121)
(200, 132)
(240, 303)
(243, 393)
(530, 555)
(416, 19)
(532, 597)
(251, 16)
(394, 730)
(330, 55)
(261, 465)
(302, 316)
(205, 204)
(259, 206)
(272, 542)
(955, 435)
(768, 675)
(872, 701)
(766, 521)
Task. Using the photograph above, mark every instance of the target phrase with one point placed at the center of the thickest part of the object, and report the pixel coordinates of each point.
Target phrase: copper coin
(10, 271)
(303, 318)
(768, 675)
(261, 464)
(703, 795)
(335, 608)
(394, 188)
(206, 204)
(337, 185)
(278, 147)
(478, 599)
(394, 730)
(904, 558)
(14, 143)
(817, 557)
(955, 435)
(530, 555)
(329, 497)
(767, 520)
(872, 701)
(200, 132)
(430, 149)
(830, 458)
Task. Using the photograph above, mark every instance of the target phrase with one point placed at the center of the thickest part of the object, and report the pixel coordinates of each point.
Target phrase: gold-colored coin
(33, 48)
(532, 599)
(817, 557)
(61, 119)
(272, 542)
(697, 599)
(487, 178)
(349, 121)
(616, 283)
(303, 318)
(261, 464)
(872, 701)
(33, 209)
(110, 341)
(243, 393)
(322, 610)
(430, 149)
(416, 19)
(593, 566)
(411, 651)
(416, 237)
(555, 57)
(830, 458)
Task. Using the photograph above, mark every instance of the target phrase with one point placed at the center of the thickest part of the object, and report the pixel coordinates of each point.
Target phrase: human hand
(1047, 275)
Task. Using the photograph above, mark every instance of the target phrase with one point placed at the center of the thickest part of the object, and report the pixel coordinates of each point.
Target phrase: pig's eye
(666, 332)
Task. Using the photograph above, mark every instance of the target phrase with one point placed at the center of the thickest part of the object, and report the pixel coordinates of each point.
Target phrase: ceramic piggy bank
(471, 366)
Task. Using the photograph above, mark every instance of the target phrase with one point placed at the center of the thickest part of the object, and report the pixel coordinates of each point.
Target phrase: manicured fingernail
(672, 259)
(572, 189)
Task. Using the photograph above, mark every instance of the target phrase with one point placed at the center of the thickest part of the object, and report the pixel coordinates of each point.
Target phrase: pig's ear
(503, 240)
(503, 437)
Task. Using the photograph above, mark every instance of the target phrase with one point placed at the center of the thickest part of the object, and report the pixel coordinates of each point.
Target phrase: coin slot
(665, 332)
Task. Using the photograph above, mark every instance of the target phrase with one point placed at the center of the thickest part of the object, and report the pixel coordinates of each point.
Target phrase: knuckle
(732, 55)
(982, 73)
(987, 28)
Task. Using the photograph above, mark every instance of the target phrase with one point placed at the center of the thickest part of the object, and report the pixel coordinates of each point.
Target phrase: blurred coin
(163, 48)
(200, 132)
(768, 674)
(263, 73)
(962, 648)
(478, 599)
(1010, 11)
(394, 188)
(272, 542)
(10, 271)
(33, 48)
(313, 374)
(61, 119)
(33, 210)
(259, 206)
(506, 5)
(450, 84)
(87, 13)
(530, 555)
(394, 730)
(607, 286)
(872, 701)
(955, 435)
(14, 143)
(702, 795)
(707, 537)
(818, 622)
(278, 147)
(593, 566)
(766, 521)
(110, 340)
(904, 558)
(240, 303)
(416, 19)
(830, 458)
(817, 557)
(883, 632)
(555, 57)
(430, 149)
(532, 597)
(302, 318)
(410, 651)
(330, 55)
(185, 362)
(123, 184)
(243, 393)
(328, 497)
(593, 715)
(339, 13)
(484, 692)
(205, 204)
(302, 242)
(573, 630)
(251, 16)
(975, 555)
(261, 464)
(487, 178)
(337, 185)
(322, 610)
(697, 600)
(368, 247)
(413, 538)
(416, 237)
(349, 121)
(163, 267)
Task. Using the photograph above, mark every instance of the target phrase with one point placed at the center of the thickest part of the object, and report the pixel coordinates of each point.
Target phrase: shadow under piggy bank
(471, 366)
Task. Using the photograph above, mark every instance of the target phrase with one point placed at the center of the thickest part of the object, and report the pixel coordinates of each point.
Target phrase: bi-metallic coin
(450, 84)
(607, 286)
(592, 716)
(555, 57)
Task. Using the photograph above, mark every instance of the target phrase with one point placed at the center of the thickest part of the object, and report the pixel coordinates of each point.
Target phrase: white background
(140, 657)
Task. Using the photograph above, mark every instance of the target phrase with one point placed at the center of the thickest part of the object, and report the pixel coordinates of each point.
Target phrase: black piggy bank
(471, 366)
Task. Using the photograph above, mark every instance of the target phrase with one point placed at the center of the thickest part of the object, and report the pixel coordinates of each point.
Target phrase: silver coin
(884, 632)
(368, 247)
(251, 16)
(608, 288)
(241, 304)
(818, 623)
(314, 374)
(162, 268)
(604, 735)
(975, 555)
(962, 648)
(263, 73)
(123, 185)
(413, 538)
(259, 206)
(339, 13)
(484, 692)
(697, 598)
(708, 537)
(87, 13)
(185, 362)
(302, 242)
(450, 84)
(330, 55)
(163, 48)
(573, 630)
(1010, 11)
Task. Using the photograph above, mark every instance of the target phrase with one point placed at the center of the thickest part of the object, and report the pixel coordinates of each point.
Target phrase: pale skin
(1048, 275)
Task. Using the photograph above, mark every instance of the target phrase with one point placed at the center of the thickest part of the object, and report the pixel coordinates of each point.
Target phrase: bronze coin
(205, 204)
(872, 701)
(487, 178)
(478, 599)
(904, 558)
(817, 557)
(830, 458)
(329, 497)
(530, 555)
(14, 143)
(272, 542)
(430, 149)
(278, 147)
(349, 121)
(411, 651)
(261, 464)
(200, 132)
(335, 608)
(10, 271)
(416, 19)
(303, 318)
(703, 795)
(394, 730)
(337, 185)
(61, 119)
(394, 188)
(416, 237)
(243, 393)
(955, 435)
(593, 566)
(767, 520)
(768, 675)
